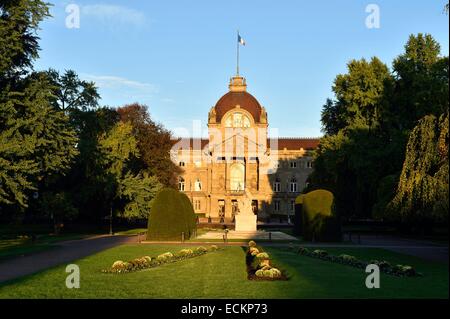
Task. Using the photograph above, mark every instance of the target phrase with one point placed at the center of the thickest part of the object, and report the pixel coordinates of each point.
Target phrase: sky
(177, 57)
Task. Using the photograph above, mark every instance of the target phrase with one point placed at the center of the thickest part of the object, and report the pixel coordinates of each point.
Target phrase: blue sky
(177, 56)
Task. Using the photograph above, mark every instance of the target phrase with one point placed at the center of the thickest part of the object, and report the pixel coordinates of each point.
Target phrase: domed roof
(245, 100)
(238, 96)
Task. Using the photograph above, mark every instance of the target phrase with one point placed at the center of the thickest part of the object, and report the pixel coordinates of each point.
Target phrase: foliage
(139, 192)
(320, 222)
(37, 142)
(171, 215)
(385, 267)
(19, 21)
(71, 93)
(367, 125)
(148, 262)
(423, 187)
(259, 265)
(154, 144)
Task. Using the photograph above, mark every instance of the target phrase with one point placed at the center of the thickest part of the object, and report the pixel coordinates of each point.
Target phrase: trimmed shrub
(319, 220)
(164, 257)
(171, 214)
(201, 249)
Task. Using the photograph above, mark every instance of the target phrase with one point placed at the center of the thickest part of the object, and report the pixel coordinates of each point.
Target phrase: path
(64, 252)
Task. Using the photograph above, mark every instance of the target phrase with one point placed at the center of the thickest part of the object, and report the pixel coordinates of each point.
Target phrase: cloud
(114, 15)
(116, 82)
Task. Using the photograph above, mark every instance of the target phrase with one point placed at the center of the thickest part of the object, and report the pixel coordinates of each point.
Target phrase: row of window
(292, 185)
(277, 205)
(292, 164)
(182, 185)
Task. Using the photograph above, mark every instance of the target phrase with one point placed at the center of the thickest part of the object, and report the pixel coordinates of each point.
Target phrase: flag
(240, 40)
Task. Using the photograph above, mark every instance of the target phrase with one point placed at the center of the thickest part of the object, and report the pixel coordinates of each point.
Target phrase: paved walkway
(65, 252)
(274, 235)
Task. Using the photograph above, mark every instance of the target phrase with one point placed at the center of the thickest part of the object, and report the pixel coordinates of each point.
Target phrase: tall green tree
(154, 144)
(72, 93)
(118, 148)
(19, 21)
(422, 83)
(422, 192)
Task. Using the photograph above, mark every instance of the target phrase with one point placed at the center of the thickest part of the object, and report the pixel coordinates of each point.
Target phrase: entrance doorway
(234, 209)
(222, 210)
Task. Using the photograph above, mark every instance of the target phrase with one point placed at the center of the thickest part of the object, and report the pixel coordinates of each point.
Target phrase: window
(237, 177)
(181, 164)
(237, 120)
(292, 205)
(276, 205)
(277, 185)
(197, 204)
(198, 185)
(181, 184)
(293, 164)
(293, 185)
(309, 164)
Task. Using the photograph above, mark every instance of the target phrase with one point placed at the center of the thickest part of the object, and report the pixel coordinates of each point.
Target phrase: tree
(19, 21)
(118, 148)
(37, 141)
(422, 193)
(422, 84)
(71, 93)
(154, 144)
(362, 92)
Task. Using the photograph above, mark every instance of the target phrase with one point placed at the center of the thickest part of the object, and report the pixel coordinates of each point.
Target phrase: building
(238, 161)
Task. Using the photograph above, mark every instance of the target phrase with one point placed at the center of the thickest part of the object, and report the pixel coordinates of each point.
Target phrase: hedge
(318, 219)
(171, 215)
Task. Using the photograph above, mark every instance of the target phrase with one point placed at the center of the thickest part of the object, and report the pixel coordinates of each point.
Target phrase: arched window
(237, 120)
(181, 184)
(277, 185)
(293, 185)
(237, 177)
(198, 185)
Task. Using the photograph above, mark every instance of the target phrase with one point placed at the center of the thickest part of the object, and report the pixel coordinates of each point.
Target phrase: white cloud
(116, 82)
(113, 14)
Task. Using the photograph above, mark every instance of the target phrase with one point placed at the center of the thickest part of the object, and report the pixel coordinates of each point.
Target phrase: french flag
(241, 40)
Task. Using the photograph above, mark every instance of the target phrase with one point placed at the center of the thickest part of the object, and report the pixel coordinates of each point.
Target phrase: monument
(245, 220)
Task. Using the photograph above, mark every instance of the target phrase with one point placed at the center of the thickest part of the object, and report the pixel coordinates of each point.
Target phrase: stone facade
(238, 161)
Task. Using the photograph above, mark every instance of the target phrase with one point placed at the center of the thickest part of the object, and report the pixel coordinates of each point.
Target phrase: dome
(238, 96)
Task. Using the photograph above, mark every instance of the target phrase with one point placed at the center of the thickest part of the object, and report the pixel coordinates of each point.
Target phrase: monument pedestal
(245, 222)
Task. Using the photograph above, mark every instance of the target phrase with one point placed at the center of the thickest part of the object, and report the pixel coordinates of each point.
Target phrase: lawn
(222, 274)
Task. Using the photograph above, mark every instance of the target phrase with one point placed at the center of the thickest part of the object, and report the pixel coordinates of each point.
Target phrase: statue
(246, 218)
(212, 115)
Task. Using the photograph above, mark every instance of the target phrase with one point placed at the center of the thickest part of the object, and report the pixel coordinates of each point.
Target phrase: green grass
(222, 274)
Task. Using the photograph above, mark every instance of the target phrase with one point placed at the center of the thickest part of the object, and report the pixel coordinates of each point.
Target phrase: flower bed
(146, 262)
(385, 267)
(259, 265)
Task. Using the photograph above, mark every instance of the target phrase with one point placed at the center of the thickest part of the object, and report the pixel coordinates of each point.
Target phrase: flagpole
(237, 52)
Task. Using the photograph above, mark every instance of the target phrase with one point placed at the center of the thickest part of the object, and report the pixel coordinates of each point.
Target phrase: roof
(295, 143)
(290, 143)
(244, 99)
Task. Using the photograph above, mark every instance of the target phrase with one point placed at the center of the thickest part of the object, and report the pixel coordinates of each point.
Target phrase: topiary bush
(171, 215)
(319, 221)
